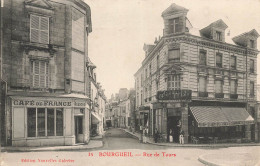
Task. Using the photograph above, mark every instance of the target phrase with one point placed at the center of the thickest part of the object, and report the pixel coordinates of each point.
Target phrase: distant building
(44, 56)
(201, 82)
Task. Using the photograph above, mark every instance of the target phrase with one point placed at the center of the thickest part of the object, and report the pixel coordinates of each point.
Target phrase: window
(233, 62)
(39, 29)
(174, 25)
(174, 55)
(219, 60)
(150, 91)
(173, 82)
(150, 69)
(252, 88)
(39, 74)
(218, 86)
(252, 44)
(203, 57)
(141, 80)
(146, 73)
(41, 122)
(233, 87)
(218, 35)
(158, 62)
(202, 84)
(252, 66)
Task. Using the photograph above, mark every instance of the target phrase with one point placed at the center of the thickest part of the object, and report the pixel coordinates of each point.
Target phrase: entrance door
(173, 124)
(79, 129)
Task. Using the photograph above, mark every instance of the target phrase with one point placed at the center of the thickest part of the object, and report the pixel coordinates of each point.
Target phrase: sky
(121, 27)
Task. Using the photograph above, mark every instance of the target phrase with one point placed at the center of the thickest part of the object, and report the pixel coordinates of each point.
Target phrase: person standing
(171, 136)
(181, 137)
(141, 136)
(156, 135)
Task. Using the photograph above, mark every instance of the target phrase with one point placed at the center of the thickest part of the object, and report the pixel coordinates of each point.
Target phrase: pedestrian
(156, 135)
(171, 136)
(141, 136)
(181, 137)
(144, 135)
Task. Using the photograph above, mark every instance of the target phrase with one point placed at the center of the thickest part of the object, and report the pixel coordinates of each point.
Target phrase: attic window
(174, 25)
(252, 44)
(218, 36)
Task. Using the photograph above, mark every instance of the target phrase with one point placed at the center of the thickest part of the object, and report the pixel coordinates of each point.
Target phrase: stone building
(45, 50)
(201, 82)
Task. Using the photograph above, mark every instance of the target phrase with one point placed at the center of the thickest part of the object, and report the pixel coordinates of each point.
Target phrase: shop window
(252, 89)
(203, 57)
(39, 74)
(173, 82)
(219, 60)
(174, 25)
(233, 63)
(174, 55)
(252, 66)
(39, 29)
(37, 118)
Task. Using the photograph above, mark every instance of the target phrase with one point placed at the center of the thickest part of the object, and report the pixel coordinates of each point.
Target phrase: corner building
(45, 51)
(201, 82)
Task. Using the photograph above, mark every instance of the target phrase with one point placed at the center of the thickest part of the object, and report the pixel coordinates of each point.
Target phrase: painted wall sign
(174, 95)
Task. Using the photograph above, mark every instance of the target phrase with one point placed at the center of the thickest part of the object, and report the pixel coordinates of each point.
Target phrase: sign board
(179, 94)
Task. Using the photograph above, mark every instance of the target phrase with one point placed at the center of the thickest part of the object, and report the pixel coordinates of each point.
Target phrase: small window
(252, 89)
(218, 35)
(174, 25)
(150, 69)
(252, 44)
(174, 55)
(157, 62)
(39, 74)
(233, 62)
(233, 87)
(39, 29)
(203, 57)
(252, 66)
(218, 86)
(219, 60)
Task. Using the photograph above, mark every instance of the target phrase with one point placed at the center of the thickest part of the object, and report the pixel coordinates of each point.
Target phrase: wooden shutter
(39, 30)
(36, 81)
(35, 24)
(44, 27)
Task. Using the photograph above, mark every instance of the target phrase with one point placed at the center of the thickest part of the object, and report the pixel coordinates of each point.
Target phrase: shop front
(96, 124)
(48, 121)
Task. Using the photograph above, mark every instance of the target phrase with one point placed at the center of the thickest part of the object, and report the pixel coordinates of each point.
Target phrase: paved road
(117, 141)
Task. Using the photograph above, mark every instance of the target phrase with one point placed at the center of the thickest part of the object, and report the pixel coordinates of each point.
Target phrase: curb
(204, 161)
(44, 149)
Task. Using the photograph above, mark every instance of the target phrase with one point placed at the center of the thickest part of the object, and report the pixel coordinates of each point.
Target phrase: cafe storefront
(48, 121)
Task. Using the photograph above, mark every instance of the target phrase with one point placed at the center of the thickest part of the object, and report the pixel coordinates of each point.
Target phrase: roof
(173, 8)
(242, 39)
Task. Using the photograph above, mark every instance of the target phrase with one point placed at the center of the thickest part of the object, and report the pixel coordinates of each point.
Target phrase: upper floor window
(252, 88)
(218, 86)
(39, 29)
(39, 74)
(252, 66)
(233, 63)
(141, 80)
(174, 55)
(219, 60)
(157, 61)
(150, 69)
(203, 57)
(146, 73)
(173, 82)
(202, 84)
(218, 35)
(174, 25)
(252, 44)
(233, 87)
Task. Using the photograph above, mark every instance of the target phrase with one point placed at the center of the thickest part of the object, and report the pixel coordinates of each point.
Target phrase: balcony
(219, 95)
(203, 94)
(233, 96)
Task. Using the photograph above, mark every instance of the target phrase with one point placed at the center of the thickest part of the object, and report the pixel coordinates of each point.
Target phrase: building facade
(200, 82)
(45, 50)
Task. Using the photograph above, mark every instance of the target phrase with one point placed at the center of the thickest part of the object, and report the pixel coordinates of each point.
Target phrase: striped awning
(221, 116)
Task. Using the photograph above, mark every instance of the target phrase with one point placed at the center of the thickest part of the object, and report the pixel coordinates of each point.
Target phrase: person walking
(141, 136)
(181, 137)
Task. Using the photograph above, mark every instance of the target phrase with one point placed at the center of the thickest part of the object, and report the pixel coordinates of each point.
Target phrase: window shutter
(44, 27)
(42, 74)
(35, 23)
(36, 82)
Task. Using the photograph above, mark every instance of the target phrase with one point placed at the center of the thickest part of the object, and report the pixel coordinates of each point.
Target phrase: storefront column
(184, 122)
(256, 132)
(248, 132)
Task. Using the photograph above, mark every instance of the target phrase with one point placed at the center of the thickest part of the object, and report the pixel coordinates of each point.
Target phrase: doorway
(173, 124)
(78, 129)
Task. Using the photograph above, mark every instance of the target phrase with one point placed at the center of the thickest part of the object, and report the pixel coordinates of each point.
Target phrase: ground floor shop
(46, 121)
(200, 122)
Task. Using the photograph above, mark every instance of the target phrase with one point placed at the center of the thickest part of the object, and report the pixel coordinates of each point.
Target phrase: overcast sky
(121, 27)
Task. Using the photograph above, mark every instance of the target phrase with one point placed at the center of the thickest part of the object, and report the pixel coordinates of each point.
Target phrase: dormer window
(218, 36)
(252, 44)
(174, 25)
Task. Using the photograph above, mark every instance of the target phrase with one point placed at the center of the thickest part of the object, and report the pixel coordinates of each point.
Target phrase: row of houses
(49, 91)
(201, 82)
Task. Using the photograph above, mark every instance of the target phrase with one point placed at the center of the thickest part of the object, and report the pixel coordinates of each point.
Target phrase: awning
(221, 116)
(95, 119)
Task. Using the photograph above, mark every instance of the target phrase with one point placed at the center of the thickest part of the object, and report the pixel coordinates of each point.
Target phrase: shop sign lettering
(47, 103)
(179, 94)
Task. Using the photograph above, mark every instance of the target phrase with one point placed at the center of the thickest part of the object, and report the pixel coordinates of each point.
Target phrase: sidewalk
(222, 145)
(91, 145)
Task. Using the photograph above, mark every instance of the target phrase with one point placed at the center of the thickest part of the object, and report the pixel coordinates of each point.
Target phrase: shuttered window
(39, 29)
(39, 74)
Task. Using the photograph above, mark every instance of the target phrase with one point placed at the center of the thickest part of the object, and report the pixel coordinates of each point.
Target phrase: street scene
(133, 82)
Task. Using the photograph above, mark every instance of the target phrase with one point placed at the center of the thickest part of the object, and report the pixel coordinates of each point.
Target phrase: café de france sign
(178, 94)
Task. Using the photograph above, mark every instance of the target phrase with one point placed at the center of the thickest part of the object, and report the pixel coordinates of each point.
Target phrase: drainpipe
(1, 64)
(246, 80)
